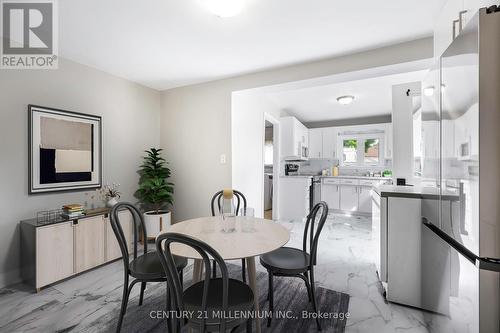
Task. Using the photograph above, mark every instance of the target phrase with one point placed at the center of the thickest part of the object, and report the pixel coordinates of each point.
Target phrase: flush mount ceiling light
(428, 91)
(224, 8)
(344, 100)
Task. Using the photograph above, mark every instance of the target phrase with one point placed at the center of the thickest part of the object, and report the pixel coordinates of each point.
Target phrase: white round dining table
(252, 237)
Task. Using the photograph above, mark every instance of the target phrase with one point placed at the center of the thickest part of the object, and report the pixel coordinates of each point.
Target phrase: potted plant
(155, 192)
(110, 194)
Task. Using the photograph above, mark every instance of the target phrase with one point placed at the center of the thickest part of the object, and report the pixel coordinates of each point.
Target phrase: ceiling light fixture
(224, 8)
(344, 100)
(429, 91)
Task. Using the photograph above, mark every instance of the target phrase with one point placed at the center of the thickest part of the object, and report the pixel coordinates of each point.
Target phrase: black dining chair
(216, 305)
(292, 262)
(241, 202)
(145, 267)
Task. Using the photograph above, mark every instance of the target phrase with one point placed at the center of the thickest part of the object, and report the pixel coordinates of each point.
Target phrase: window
(350, 151)
(372, 151)
(362, 150)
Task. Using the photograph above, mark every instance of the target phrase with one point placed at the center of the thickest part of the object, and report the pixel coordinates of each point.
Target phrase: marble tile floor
(345, 264)
(346, 256)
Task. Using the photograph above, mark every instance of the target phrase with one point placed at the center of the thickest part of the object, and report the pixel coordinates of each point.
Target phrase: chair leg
(244, 270)
(169, 307)
(126, 293)
(214, 270)
(249, 325)
(181, 277)
(271, 298)
(308, 288)
(313, 294)
(141, 297)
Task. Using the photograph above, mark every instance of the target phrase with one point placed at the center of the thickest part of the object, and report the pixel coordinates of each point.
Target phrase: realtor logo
(29, 38)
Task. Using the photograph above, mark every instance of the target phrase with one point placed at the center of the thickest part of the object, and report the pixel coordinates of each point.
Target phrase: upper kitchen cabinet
(294, 137)
(323, 143)
(316, 143)
(452, 19)
(330, 142)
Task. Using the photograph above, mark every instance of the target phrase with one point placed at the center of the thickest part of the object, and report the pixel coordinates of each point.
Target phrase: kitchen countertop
(339, 177)
(358, 177)
(298, 176)
(414, 192)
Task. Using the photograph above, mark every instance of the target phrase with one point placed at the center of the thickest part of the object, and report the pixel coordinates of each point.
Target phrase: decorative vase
(156, 222)
(111, 202)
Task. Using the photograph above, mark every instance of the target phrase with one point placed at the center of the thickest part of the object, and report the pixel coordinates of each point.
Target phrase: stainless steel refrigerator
(461, 230)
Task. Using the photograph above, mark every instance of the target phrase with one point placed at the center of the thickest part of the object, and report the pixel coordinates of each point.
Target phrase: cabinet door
(349, 197)
(112, 248)
(54, 253)
(329, 142)
(365, 199)
(315, 143)
(89, 243)
(331, 195)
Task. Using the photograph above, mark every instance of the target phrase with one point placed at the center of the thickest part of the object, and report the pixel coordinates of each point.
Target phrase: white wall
(196, 120)
(247, 118)
(130, 115)
(402, 130)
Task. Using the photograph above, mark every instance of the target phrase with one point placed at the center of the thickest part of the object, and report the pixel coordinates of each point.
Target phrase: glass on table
(247, 219)
(228, 222)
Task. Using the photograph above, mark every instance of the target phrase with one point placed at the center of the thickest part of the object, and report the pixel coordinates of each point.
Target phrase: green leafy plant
(154, 190)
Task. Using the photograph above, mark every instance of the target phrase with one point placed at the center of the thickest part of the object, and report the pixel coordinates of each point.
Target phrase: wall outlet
(223, 159)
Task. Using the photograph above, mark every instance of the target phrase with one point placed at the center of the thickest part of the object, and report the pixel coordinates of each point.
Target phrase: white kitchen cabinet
(349, 195)
(316, 143)
(294, 138)
(330, 192)
(329, 142)
(364, 199)
(89, 243)
(404, 251)
(54, 253)
(294, 198)
(323, 143)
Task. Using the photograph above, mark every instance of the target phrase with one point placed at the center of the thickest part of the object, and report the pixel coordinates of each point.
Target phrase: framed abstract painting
(65, 150)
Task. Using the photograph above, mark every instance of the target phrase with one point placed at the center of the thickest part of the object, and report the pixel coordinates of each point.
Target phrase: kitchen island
(403, 244)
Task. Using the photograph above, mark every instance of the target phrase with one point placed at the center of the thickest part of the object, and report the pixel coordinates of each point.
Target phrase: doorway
(269, 168)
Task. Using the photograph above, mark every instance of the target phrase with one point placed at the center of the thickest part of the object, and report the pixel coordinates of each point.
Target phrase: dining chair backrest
(138, 226)
(217, 198)
(310, 236)
(207, 253)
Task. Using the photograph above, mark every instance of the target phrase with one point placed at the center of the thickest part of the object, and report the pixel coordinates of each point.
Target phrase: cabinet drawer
(349, 181)
(366, 182)
(331, 181)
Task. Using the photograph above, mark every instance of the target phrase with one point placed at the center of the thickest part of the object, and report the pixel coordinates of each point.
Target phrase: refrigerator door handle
(488, 264)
